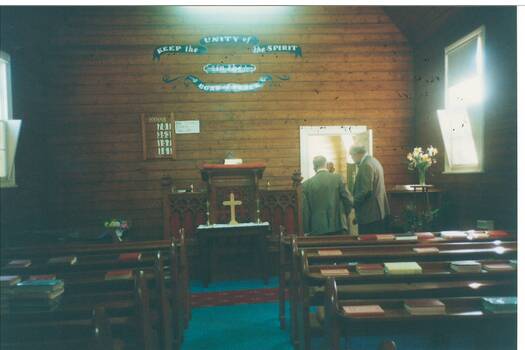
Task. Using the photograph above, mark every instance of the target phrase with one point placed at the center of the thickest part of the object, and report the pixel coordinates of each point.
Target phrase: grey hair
(319, 162)
(357, 150)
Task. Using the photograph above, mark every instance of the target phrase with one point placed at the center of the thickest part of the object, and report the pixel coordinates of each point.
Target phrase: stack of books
(497, 267)
(465, 266)
(37, 294)
(403, 268)
(370, 269)
(119, 275)
(129, 257)
(363, 310)
(63, 260)
(19, 263)
(500, 304)
(453, 234)
(425, 307)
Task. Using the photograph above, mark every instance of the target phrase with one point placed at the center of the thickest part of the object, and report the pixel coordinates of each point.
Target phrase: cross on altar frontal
(232, 203)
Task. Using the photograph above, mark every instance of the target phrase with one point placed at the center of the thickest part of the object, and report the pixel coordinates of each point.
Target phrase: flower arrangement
(420, 160)
(120, 226)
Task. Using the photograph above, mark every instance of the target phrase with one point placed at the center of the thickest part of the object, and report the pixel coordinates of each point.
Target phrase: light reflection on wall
(232, 14)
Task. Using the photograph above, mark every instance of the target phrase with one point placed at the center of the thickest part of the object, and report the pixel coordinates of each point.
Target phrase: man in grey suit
(370, 198)
(326, 202)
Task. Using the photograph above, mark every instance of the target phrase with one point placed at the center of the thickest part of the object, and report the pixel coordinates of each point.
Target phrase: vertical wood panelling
(493, 193)
(355, 70)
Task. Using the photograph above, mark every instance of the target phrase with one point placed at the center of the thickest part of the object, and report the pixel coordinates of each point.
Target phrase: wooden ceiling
(418, 23)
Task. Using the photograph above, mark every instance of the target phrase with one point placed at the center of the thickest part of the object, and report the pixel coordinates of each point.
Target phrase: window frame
(468, 169)
(10, 181)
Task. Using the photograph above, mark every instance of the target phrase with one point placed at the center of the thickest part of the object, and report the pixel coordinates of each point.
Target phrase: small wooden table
(208, 236)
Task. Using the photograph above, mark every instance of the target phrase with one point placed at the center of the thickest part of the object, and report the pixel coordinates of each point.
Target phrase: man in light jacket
(370, 198)
(326, 202)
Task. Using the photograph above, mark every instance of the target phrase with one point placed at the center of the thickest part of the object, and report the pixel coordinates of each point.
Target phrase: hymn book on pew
(425, 307)
(6, 281)
(424, 235)
(453, 234)
(465, 266)
(497, 267)
(426, 250)
(130, 257)
(403, 268)
(329, 252)
(119, 275)
(43, 277)
(406, 238)
(335, 272)
(63, 260)
(20, 263)
(500, 304)
(370, 269)
(363, 310)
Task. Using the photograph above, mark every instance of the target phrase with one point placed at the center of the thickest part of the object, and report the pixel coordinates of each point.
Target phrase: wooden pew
(84, 287)
(461, 313)
(309, 276)
(130, 317)
(101, 256)
(286, 254)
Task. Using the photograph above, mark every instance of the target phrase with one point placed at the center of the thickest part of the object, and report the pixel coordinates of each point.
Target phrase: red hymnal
(119, 275)
(43, 277)
(368, 237)
(363, 310)
(498, 234)
(129, 257)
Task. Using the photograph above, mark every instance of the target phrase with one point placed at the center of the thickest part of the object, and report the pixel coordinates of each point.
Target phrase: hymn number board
(158, 136)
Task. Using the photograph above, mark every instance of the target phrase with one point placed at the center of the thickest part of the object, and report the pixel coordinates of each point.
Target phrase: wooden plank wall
(492, 194)
(356, 69)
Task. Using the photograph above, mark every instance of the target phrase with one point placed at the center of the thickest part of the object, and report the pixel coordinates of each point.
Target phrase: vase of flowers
(420, 160)
(119, 227)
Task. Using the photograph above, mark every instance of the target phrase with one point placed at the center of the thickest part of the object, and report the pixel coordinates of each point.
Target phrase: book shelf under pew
(286, 250)
(316, 268)
(394, 317)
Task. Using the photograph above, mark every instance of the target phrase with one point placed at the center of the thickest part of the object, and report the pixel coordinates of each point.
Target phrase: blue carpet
(256, 327)
(236, 327)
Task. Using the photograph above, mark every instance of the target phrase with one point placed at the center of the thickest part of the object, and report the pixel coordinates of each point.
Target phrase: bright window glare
(466, 92)
(233, 13)
(457, 134)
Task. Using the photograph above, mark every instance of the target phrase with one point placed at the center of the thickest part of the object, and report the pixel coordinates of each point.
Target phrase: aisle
(236, 327)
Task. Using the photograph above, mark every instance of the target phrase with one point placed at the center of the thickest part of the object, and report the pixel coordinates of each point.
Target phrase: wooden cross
(232, 203)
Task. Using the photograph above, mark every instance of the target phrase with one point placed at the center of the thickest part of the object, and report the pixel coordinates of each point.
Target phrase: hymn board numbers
(158, 136)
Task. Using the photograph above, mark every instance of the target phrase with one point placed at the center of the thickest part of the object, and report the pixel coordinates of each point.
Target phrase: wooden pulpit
(233, 214)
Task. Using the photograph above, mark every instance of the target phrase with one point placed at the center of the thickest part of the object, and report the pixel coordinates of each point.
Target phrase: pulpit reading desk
(232, 213)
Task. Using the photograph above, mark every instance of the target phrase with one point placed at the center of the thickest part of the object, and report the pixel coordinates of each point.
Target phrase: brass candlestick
(208, 213)
(258, 212)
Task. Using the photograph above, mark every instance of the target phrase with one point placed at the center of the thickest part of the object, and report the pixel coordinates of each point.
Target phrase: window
(461, 121)
(9, 128)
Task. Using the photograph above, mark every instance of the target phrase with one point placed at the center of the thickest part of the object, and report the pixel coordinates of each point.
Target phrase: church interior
(156, 164)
